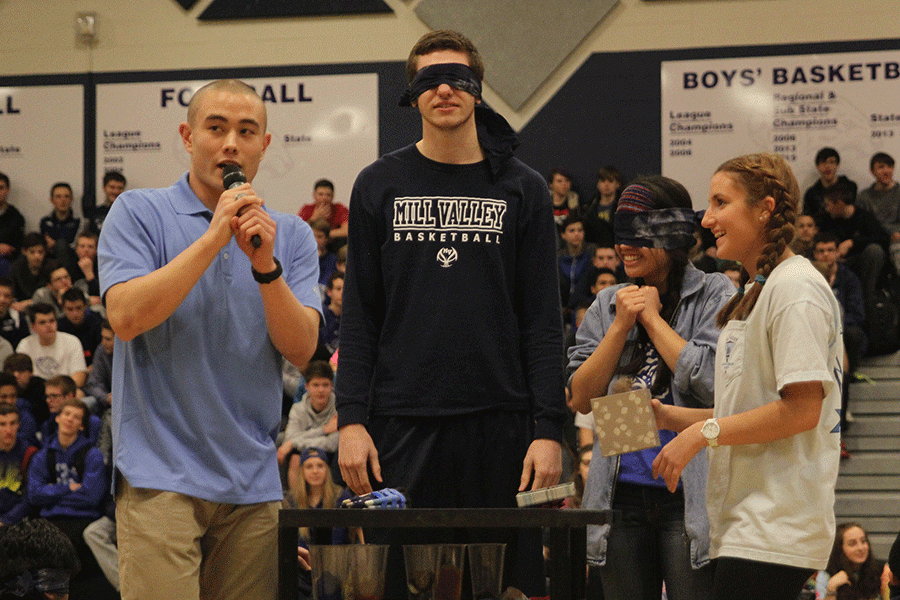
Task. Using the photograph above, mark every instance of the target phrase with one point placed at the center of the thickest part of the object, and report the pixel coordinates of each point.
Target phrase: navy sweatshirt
(451, 300)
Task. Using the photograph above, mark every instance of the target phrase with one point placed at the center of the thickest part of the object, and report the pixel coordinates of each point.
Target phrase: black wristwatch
(270, 276)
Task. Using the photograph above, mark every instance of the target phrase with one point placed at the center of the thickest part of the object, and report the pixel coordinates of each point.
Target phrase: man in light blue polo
(203, 318)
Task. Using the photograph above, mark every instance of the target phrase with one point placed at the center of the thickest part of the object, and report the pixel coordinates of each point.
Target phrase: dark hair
(323, 183)
(65, 383)
(318, 368)
(840, 192)
(826, 153)
(763, 176)
(32, 239)
(8, 283)
(4, 178)
(868, 582)
(333, 277)
(33, 544)
(18, 361)
(7, 378)
(88, 233)
(665, 193)
(824, 237)
(60, 184)
(881, 157)
(571, 219)
(8, 409)
(559, 171)
(73, 294)
(610, 173)
(443, 40)
(730, 265)
(114, 176)
(105, 325)
(39, 308)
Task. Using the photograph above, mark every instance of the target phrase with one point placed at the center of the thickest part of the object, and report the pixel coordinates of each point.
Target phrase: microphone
(232, 177)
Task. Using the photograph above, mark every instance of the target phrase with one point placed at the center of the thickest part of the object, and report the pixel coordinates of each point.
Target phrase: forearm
(798, 410)
(666, 341)
(79, 377)
(594, 375)
(293, 327)
(140, 304)
(339, 232)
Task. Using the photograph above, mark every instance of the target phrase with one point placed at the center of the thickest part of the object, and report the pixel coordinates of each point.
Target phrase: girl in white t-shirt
(774, 432)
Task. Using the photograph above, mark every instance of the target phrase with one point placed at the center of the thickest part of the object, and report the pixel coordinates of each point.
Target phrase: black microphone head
(232, 176)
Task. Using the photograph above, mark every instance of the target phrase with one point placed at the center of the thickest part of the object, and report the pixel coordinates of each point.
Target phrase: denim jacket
(702, 296)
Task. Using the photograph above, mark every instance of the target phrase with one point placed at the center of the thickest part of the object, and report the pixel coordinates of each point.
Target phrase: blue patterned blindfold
(665, 228)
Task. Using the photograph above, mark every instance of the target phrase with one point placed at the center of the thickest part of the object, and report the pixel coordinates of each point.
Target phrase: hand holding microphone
(233, 177)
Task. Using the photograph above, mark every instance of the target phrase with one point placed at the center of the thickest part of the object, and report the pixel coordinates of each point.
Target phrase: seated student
(848, 290)
(61, 223)
(827, 162)
(590, 285)
(882, 198)
(804, 231)
(862, 238)
(60, 283)
(60, 389)
(341, 262)
(598, 215)
(15, 453)
(853, 572)
(81, 263)
(318, 490)
(312, 421)
(327, 260)
(113, 185)
(565, 201)
(574, 258)
(41, 561)
(31, 271)
(13, 324)
(606, 257)
(67, 479)
(80, 321)
(324, 208)
(12, 226)
(53, 352)
(331, 309)
(30, 386)
(99, 381)
(9, 396)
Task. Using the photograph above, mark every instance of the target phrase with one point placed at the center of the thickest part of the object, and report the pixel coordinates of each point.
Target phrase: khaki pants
(173, 546)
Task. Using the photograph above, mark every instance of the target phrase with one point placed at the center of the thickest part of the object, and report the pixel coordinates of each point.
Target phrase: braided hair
(763, 176)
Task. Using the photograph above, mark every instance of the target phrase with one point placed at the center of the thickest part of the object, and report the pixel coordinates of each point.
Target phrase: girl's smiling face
(738, 227)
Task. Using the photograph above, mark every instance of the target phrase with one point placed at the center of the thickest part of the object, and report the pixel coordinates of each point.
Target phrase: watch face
(710, 430)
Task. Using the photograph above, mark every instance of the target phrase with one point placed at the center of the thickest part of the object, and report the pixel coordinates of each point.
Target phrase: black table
(567, 535)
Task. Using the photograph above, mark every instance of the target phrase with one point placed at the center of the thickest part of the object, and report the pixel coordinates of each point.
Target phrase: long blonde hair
(330, 493)
(763, 175)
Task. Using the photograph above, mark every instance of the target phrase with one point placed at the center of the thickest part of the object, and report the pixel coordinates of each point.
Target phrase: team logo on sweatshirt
(448, 220)
(447, 256)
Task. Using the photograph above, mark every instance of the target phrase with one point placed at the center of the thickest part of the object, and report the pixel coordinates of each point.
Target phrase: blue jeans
(650, 546)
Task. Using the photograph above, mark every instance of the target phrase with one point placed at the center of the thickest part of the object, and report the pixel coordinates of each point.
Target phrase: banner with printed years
(713, 110)
(323, 126)
(41, 143)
